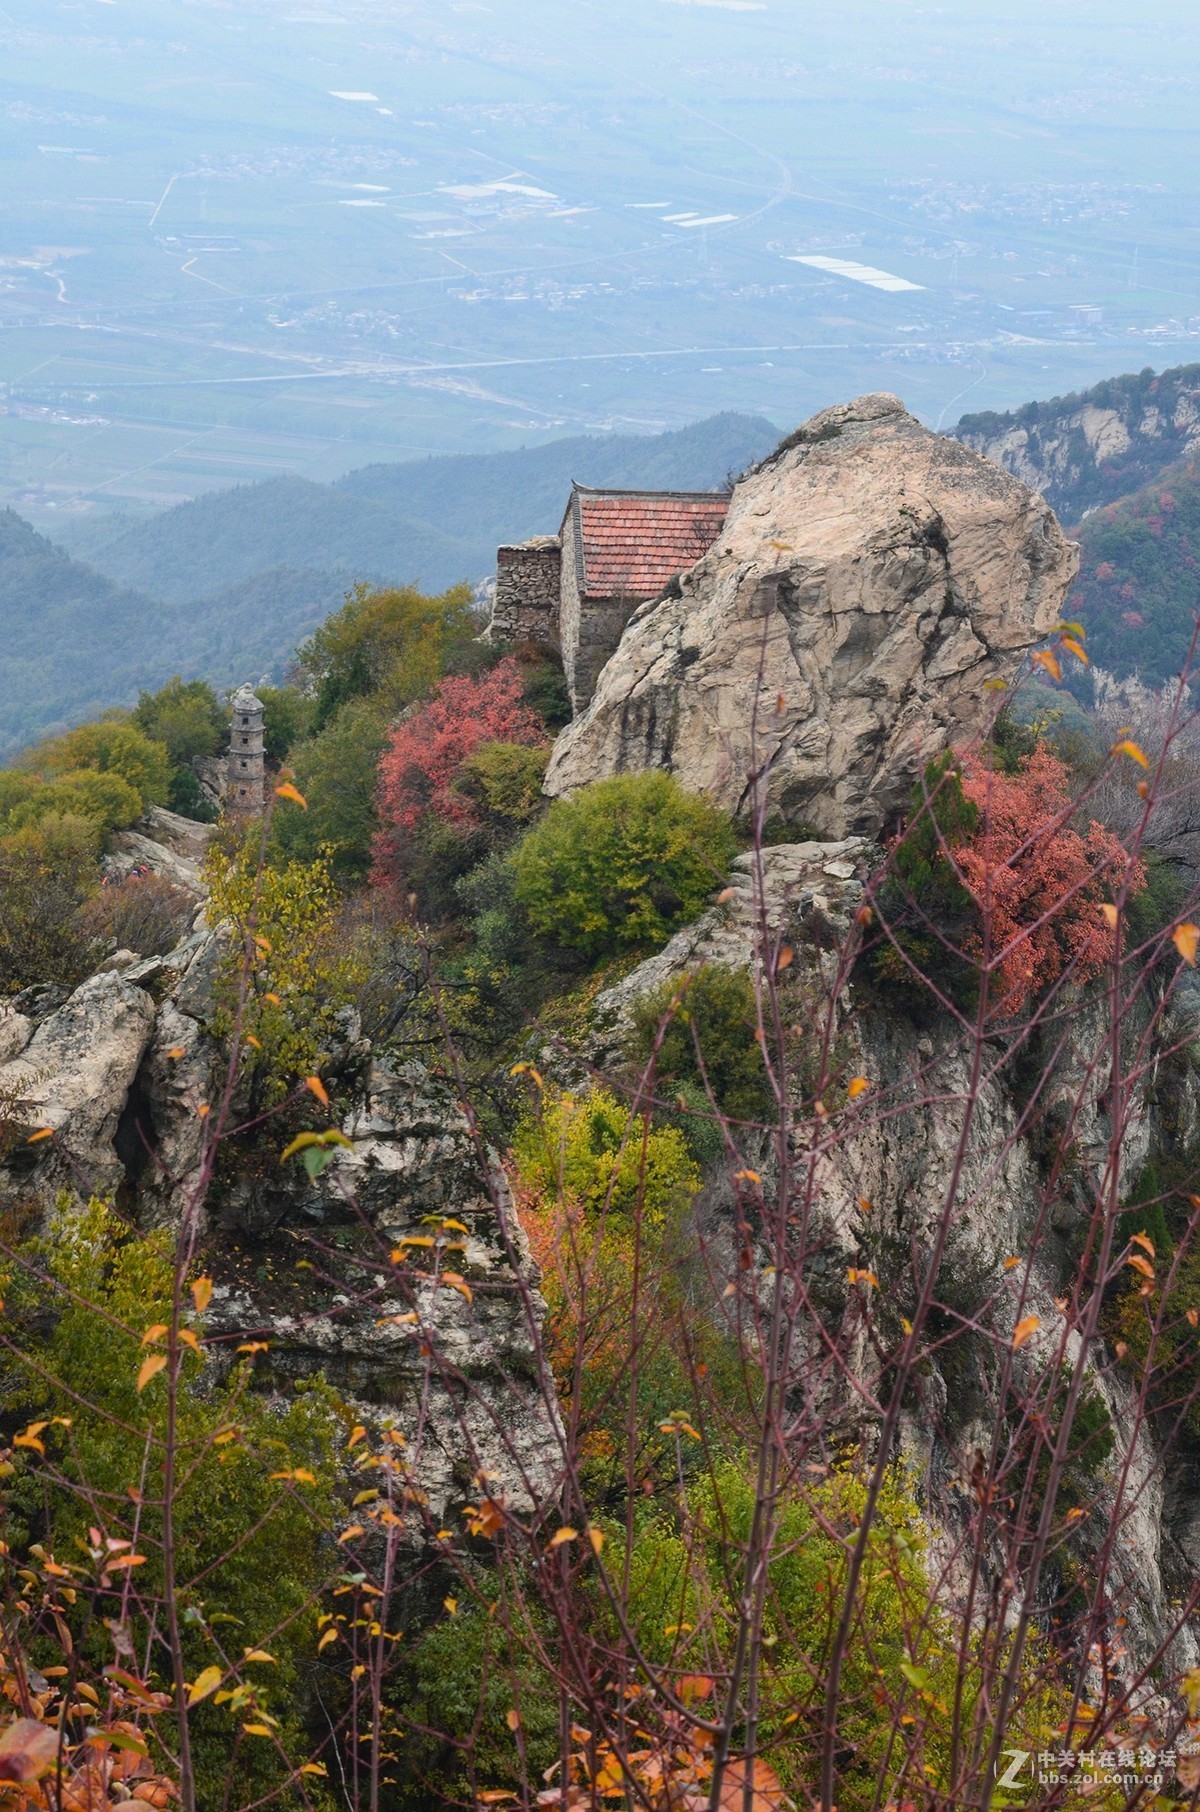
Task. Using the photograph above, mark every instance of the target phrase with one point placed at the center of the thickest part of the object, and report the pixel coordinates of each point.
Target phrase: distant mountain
(433, 522)
(1090, 448)
(219, 540)
(71, 642)
(227, 586)
(1139, 577)
(487, 498)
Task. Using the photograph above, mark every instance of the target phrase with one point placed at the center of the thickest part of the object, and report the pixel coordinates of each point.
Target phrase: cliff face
(125, 1072)
(1018, 1227)
(1085, 450)
(870, 579)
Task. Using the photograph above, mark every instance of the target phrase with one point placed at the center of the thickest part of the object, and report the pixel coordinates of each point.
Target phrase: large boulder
(870, 579)
(74, 1078)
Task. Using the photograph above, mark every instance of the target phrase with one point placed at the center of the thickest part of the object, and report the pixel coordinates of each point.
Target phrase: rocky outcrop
(1085, 450)
(871, 578)
(74, 1078)
(127, 1077)
(452, 1365)
(164, 844)
(882, 1183)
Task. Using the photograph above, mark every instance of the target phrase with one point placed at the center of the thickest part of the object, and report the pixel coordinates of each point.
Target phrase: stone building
(615, 550)
(244, 788)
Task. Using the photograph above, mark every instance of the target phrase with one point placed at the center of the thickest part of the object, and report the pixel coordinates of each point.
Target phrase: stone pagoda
(246, 774)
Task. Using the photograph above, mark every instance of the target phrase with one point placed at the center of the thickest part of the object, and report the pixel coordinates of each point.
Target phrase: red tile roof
(633, 542)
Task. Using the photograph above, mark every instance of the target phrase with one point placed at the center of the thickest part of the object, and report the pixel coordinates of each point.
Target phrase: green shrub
(48, 873)
(336, 771)
(254, 1551)
(592, 1149)
(717, 1010)
(464, 1678)
(394, 644)
(186, 717)
(296, 969)
(623, 864)
(505, 778)
(287, 719)
(111, 745)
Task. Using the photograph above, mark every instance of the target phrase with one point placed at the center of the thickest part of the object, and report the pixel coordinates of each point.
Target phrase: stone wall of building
(526, 599)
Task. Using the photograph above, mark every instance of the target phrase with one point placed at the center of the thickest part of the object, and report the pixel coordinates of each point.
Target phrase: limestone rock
(461, 1381)
(168, 845)
(15, 1032)
(870, 578)
(75, 1075)
(779, 889)
(182, 1070)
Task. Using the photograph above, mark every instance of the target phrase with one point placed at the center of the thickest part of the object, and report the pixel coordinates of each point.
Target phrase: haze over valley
(293, 238)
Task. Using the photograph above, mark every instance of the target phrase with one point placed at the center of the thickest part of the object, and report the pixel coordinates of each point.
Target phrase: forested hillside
(1139, 578)
(71, 641)
(1095, 445)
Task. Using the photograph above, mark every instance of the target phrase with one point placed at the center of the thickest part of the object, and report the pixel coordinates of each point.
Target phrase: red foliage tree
(426, 752)
(1105, 570)
(1040, 880)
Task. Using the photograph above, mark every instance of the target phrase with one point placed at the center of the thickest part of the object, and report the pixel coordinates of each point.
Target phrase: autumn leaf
(767, 1794)
(726, 894)
(858, 1086)
(1010, 1263)
(1050, 662)
(27, 1751)
(565, 1534)
(202, 1290)
(1130, 748)
(44, 1132)
(512, 1718)
(1024, 1330)
(1141, 1265)
(1144, 1241)
(1109, 915)
(1077, 649)
(786, 958)
(453, 1281)
(150, 1369)
(288, 791)
(316, 1087)
(259, 1654)
(487, 1519)
(1186, 938)
(203, 1685)
(596, 1537)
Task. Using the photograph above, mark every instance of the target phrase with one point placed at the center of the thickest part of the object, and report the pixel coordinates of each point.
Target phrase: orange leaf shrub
(1039, 879)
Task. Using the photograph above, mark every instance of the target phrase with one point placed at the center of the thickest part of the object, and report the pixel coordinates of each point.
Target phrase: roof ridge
(587, 490)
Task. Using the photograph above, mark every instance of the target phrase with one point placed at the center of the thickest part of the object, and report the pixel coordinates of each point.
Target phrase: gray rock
(74, 1076)
(777, 890)
(870, 579)
(15, 1032)
(460, 1381)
